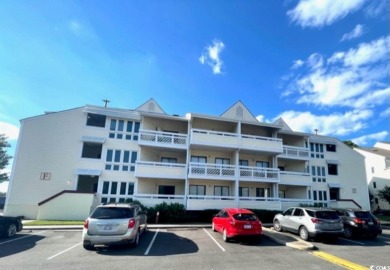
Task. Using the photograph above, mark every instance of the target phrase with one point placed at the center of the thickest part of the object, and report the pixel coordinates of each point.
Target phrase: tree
(350, 143)
(4, 157)
(384, 194)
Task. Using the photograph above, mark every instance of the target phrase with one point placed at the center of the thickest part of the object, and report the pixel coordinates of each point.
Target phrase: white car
(309, 222)
(114, 223)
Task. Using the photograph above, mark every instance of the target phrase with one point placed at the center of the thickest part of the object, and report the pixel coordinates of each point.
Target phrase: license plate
(107, 228)
(370, 223)
(333, 225)
(247, 226)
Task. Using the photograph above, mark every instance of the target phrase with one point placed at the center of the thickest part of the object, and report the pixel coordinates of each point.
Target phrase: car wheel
(11, 230)
(348, 232)
(88, 247)
(303, 233)
(224, 236)
(277, 226)
(136, 240)
(213, 227)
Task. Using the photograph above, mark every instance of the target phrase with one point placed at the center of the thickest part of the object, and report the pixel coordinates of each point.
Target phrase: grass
(53, 222)
(383, 218)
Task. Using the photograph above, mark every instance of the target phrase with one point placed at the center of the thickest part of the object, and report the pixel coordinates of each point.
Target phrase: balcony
(259, 143)
(295, 178)
(292, 152)
(257, 174)
(160, 170)
(150, 200)
(163, 139)
(287, 203)
(211, 171)
(201, 202)
(214, 138)
(260, 203)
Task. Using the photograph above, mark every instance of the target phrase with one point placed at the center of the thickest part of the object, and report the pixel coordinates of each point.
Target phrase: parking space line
(214, 240)
(59, 253)
(15, 239)
(151, 243)
(339, 261)
(355, 242)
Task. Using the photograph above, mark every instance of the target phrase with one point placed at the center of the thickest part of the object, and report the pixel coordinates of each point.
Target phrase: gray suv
(309, 222)
(114, 223)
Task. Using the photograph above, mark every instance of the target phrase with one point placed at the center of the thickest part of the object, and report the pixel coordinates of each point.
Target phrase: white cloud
(355, 78)
(385, 113)
(317, 13)
(355, 33)
(297, 63)
(10, 131)
(367, 139)
(260, 118)
(377, 8)
(211, 56)
(336, 124)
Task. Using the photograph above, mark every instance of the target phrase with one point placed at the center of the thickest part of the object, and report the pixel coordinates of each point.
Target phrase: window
(331, 147)
(221, 191)
(318, 174)
(262, 192)
(96, 120)
(288, 212)
(243, 192)
(317, 150)
(354, 190)
(332, 169)
(243, 162)
(197, 190)
(222, 160)
(168, 160)
(116, 191)
(334, 193)
(298, 212)
(121, 129)
(92, 150)
(320, 197)
(262, 164)
(120, 160)
(282, 194)
(198, 159)
(374, 184)
(166, 190)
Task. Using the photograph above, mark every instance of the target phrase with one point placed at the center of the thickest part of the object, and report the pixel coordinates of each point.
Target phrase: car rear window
(363, 214)
(112, 213)
(245, 217)
(327, 215)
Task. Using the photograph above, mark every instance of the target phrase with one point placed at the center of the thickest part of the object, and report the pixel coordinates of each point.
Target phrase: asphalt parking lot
(181, 248)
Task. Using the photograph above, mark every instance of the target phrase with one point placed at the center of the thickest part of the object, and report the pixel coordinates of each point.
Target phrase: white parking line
(356, 242)
(15, 239)
(59, 253)
(151, 243)
(214, 240)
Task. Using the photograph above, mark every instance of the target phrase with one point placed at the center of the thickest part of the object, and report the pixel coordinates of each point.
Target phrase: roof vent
(239, 112)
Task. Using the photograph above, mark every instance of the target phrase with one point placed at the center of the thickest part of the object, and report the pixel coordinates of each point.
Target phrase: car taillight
(86, 223)
(316, 220)
(131, 223)
(358, 221)
(378, 221)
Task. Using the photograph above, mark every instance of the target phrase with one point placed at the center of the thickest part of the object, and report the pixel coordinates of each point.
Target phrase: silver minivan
(114, 223)
(309, 222)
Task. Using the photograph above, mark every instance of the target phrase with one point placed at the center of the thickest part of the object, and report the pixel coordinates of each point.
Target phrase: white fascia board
(92, 139)
(88, 172)
(114, 112)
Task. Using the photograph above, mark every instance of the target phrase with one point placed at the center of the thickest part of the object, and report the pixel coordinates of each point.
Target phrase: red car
(236, 222)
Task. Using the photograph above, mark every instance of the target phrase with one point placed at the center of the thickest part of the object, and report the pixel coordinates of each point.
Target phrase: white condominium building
(66, 162)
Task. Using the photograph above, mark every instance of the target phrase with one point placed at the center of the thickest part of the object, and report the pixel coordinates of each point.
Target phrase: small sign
(45, 176)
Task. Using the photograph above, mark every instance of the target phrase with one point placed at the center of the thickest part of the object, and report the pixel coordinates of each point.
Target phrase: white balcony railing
(160, 170)
(261, 143)
(295, 152)
(295, 178)
(214, 138)
(165, 139)
(259, 174)
(292, 202)
(203, 170)
(151, 200)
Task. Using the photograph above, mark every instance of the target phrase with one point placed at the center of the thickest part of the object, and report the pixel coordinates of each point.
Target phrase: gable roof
(151, 106)
(239, 112)
(280, 122)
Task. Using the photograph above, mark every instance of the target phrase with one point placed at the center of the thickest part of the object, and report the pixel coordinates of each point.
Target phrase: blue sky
(318, 64)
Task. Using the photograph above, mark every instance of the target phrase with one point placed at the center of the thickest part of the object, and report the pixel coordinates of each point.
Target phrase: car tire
(224, 236)
(348, 233)
(373, 236)
(304, 233)
(88, 247)
(136, 239)
(213, 227)
(277, 226)
(11, 230)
